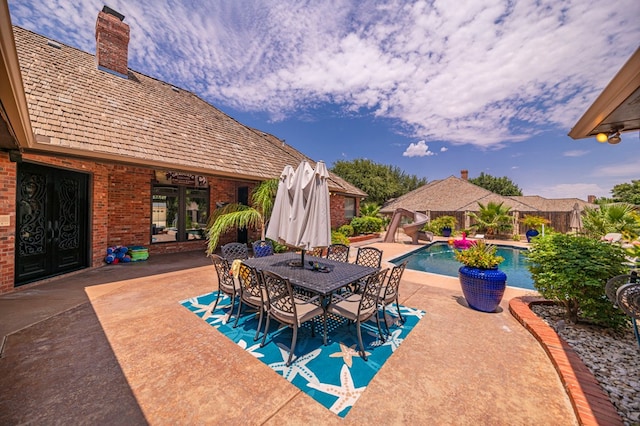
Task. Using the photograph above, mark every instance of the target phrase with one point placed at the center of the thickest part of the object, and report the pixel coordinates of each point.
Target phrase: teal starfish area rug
(334, 375)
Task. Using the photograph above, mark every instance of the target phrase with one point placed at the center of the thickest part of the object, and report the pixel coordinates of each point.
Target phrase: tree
(240, 216)
(627, 192)
(492, 218)
(379, 181)
(502, 185)
(616, 217)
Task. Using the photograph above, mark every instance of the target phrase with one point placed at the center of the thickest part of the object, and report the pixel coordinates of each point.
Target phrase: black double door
(51, 222)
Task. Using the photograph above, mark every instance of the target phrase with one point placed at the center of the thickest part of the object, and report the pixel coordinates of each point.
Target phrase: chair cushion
(304, 309)
(387, 298)
(230, 285)
(348, 308)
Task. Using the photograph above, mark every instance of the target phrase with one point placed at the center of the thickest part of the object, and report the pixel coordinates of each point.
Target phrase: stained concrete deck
(114, 346)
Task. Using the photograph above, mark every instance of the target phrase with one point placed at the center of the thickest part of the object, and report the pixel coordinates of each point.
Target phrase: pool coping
(589, 401)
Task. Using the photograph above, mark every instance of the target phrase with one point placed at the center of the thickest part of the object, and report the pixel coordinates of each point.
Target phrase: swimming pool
(438, 258)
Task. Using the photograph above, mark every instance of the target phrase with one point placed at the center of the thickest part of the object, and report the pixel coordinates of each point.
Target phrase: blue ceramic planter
(530, 234)
(483, 288)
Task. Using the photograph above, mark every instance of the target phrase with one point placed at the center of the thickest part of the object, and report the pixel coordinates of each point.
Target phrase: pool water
(438, 258)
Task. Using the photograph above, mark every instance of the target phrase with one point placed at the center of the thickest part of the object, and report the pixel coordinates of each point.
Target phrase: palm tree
(492, 218)
(240, 216)
(616, 217)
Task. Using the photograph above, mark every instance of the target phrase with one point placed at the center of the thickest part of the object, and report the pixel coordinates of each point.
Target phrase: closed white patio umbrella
(301, 214)
(279, 221)
(316, 230)
(575, 221)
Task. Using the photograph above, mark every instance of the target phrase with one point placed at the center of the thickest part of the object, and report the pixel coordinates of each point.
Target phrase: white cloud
(444, 149)
(420, 149)
(568, 190)
(484, 73)
(630, 170)
(575, 153)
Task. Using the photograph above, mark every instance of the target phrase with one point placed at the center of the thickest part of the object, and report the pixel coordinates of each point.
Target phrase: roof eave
(12, 94)
(46, 148)
(621, 87)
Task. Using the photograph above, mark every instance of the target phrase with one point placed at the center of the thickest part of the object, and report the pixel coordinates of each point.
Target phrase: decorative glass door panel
(51, 222)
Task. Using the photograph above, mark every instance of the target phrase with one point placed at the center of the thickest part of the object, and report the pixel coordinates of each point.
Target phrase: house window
(178, 213)
(349, 207)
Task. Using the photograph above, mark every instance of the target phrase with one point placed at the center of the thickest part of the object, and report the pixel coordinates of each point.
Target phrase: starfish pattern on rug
(347, 353)
(221, 317)
(253, 350)
(347, 393)
(413, 312)
(394, 340)
(200, 307)
(334, 375)
(298, 367)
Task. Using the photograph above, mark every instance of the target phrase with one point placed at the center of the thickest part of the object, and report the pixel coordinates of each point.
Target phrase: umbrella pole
(302, 259)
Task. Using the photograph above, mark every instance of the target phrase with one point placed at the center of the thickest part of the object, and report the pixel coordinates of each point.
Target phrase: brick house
(94, 154)
(434, 199)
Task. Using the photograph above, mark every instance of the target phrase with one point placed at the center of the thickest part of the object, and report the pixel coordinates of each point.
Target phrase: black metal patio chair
(251, 293)
(233, 251)
(226, 284)
(360, 307)
(338, 252)
(290, 308)
(390, 293)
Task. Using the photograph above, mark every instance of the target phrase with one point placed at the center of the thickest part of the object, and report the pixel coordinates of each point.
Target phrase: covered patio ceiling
(617, 109)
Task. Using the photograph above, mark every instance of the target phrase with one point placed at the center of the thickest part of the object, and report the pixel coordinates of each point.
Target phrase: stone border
(366, 237)
(590, 403)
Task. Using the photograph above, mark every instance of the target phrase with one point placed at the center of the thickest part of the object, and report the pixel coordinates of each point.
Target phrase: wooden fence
(558, 221)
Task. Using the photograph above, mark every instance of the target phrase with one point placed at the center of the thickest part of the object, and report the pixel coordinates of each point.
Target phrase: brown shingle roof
(456, 194)
(76, 108)
(450, 194)
(552, 204)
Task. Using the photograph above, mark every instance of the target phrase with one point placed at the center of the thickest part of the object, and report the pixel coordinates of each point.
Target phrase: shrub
(369, 209)
(346, 230)
(534, 222)
(573, 271)
(366, 225)
(339, 238)
(278, 248)
(440, 222)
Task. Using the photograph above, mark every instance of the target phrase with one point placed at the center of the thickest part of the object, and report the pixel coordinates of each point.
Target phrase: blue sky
(431, 87)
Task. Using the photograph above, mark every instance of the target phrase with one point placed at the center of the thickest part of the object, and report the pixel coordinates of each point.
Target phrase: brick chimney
(591, 199)
(112, 42)
(464, 174)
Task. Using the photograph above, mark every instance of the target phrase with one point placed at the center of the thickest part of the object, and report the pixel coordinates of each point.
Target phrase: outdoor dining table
(323, 282)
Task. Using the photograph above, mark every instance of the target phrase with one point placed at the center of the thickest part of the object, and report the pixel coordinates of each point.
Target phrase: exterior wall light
(615, 138)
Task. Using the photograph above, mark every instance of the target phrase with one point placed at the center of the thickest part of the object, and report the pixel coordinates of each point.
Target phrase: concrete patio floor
(113, 346)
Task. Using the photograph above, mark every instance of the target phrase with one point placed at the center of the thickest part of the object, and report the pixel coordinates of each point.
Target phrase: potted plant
(533, 225)
(444, 225)
(482, 283)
